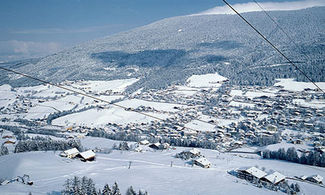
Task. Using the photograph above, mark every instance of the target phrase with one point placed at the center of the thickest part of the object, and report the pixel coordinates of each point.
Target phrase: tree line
(46, 144)
(86, 186)
(314, 158)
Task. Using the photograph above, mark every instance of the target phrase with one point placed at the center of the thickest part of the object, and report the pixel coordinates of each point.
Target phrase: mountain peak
(268, 6)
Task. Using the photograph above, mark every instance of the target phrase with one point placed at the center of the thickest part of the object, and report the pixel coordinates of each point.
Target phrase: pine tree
(107, 190)
(4, 150)
(115, 189)
(130, 191)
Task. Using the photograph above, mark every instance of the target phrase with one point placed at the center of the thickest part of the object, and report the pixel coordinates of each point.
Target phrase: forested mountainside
(171, 50)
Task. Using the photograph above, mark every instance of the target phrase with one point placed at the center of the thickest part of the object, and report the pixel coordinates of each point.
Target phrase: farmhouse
(190, 153)
(71, 153)
(155, 146)
(144, 142)
(315, 179)
(202, 162)
(9, 142)
(88, 155)
(251, 173)
(274, 178)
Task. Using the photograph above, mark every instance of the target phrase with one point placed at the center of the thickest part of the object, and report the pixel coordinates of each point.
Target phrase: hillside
(171, 50)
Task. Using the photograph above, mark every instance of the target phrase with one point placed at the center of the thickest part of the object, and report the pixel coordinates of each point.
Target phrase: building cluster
(72, 153)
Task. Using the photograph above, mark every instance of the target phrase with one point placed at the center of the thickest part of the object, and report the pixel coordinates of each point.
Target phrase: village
(233, 120)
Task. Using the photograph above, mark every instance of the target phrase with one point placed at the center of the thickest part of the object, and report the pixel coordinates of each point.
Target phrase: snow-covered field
(206, 80)
(134, 103)
(100, 117)
(200, 126)
(103, 86)
(149, 170)
(292, 85)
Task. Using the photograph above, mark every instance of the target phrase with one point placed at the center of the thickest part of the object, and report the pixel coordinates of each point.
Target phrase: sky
(35, 28)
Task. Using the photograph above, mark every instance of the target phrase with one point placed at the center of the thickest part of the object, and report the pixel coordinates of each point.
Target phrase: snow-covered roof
(87, 154)
(318, 178)
(255, 172)
(203, 161)
(193, 151)
(71, 151)
(303, 177)
(275, 177)
(144, 142)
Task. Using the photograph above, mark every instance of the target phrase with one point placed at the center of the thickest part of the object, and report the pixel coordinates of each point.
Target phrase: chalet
(303, 177)
(88, 155)
(274, 178)
(155, 146)
(296, 141)
(71, 153)
(9, 142)
(251, 173)
(271, 128)
(187, 154)
(144, 142)
(7, 136)
(202, 162)
(315, 179)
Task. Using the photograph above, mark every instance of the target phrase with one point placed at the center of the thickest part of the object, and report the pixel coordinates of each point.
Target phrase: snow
(103, 86)
(185, 90)
(268, 6)
(7, 96)
(254, 94)
(87, 154)
(235, 92)
(100, 117)
(255, 172)
(285, 145)
(292, 85)
(72, 151)
(312, 104)
(241, 104)
(200, 126)
(275, 177)
(149, 170)
(167, 107)
(206, 80)
(203, 161)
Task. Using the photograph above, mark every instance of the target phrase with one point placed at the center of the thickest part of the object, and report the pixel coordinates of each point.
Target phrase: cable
(90, 96)
(284, 32)
(274, 47)
(77, 92)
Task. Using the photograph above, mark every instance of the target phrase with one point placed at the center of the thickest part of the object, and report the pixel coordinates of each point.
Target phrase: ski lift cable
(274, 47)
(90, 96)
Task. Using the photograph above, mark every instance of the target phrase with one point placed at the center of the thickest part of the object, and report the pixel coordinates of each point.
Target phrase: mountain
(170, 50)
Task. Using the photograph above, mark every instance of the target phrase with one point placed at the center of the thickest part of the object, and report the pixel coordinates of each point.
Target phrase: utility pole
(130, 162)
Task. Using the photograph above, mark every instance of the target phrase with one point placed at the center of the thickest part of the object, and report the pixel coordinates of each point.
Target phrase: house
(271, 128)
(202, 162)
(315, 179)
(303, 177)
(88, 155)
(9, 142)
(155, 146)
(274, 178)
(7, 137)
(187, 154)
(71, 153)
(251, 173)
(296, 141)
(144, 142)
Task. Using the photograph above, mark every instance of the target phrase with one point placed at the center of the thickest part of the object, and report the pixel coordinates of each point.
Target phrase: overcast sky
(33, 28)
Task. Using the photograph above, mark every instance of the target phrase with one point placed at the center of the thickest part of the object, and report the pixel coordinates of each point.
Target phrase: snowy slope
(150, 171)
(173, 49)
